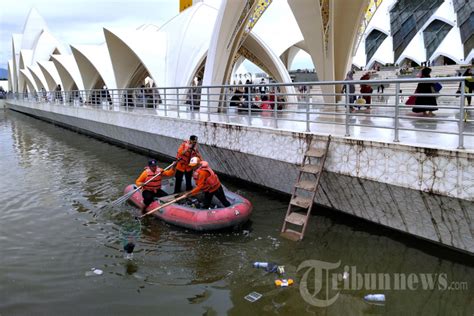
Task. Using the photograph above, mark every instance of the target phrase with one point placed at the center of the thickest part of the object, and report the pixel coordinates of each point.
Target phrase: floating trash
(128, 248)
(252, 297)
(129, 235)
(281, 269)
(375, 298)
(94, 272)
(269, 267)
(284, 282)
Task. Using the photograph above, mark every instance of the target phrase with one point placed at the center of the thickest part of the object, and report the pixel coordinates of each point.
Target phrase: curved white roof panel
(16, 47)
(68, 71)
(38, 76)
(181, 45)
(47, 45)
(26, 55)
(10, 75)
(50, 74)
(33, 28)
(129, 49)
(94, 61)
(27, 78)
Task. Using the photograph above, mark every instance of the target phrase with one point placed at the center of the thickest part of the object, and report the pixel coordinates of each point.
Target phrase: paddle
(185, 195)
(126, 196)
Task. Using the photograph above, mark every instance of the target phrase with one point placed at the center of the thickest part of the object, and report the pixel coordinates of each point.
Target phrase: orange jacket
(155, 184)
(205, 178)
(185, 152)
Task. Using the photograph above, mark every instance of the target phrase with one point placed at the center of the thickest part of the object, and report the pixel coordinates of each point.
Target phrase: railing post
(397, 112)
(164, 101)
(248, 105)
(307, 115)
(226, 106)
(348, 110)
(275, 108)
(461, 117)
(177, 100)
(208, 105)
(127, 99)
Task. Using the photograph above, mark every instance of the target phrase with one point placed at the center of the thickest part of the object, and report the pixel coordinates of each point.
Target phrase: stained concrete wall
(425, 192)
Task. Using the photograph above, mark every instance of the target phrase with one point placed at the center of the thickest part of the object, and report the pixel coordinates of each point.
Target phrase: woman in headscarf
(425, 104)
(468, 84)
(366, 89)
(352, 89)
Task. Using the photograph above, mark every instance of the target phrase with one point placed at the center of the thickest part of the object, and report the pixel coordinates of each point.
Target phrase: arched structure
(50, 74)
(68, 71)
(95, 66)
(232, 38)
(46, 46)
(16, 47)
(262, 56)
(38, 77)
(10, 75)
(183, 43)
(33, 28)
(329, 30)
(26, 56)
(290, 53)
(27, 83)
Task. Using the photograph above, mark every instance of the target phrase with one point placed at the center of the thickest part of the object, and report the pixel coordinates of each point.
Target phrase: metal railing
(301, 107)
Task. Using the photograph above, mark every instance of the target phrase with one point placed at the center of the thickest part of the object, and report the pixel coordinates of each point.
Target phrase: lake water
(52, 234)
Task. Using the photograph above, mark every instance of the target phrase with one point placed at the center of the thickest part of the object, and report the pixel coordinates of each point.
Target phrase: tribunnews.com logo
(321, 284)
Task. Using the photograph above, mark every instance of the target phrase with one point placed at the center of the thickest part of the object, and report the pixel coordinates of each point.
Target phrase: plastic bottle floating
(375, 298)
(284, 282)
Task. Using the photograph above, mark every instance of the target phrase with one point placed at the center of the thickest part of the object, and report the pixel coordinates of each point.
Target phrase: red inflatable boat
(187, 213)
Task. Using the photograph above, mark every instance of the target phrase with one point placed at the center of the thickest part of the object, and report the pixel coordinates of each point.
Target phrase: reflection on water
(52, 232)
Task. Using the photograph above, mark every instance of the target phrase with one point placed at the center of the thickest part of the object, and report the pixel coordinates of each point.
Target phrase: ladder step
(291, 235)
(296, 218)
(307, 185)
(302, 202)
(316, 152)
(311, 168)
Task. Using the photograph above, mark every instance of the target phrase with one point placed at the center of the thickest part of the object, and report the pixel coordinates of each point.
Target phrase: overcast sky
(79, 22)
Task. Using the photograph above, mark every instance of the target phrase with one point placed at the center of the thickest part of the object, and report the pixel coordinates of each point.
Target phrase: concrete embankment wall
(425, 192)
(2, 103)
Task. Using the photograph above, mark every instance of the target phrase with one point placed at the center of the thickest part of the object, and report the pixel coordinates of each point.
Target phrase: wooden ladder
(299, 208)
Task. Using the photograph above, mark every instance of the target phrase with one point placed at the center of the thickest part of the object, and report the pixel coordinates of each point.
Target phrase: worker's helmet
(194, 161)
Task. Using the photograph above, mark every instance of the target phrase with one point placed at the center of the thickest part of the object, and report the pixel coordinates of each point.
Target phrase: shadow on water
(174, 270)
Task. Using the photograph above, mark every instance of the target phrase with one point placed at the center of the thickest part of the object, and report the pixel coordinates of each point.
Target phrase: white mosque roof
(68, 71)
(50, 73)
(94, 61)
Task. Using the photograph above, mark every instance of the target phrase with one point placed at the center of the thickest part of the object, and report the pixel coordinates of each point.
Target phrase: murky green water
(53, 180)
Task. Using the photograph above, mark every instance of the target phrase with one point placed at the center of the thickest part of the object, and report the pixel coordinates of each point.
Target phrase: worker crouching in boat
(152, 189)
(207, 182)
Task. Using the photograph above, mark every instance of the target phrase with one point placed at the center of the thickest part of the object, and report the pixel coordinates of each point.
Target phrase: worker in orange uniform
(206, 181)
(152, 189)
(187, 150)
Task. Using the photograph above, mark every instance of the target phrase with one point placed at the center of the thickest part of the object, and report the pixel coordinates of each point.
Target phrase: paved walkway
(376, 124)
